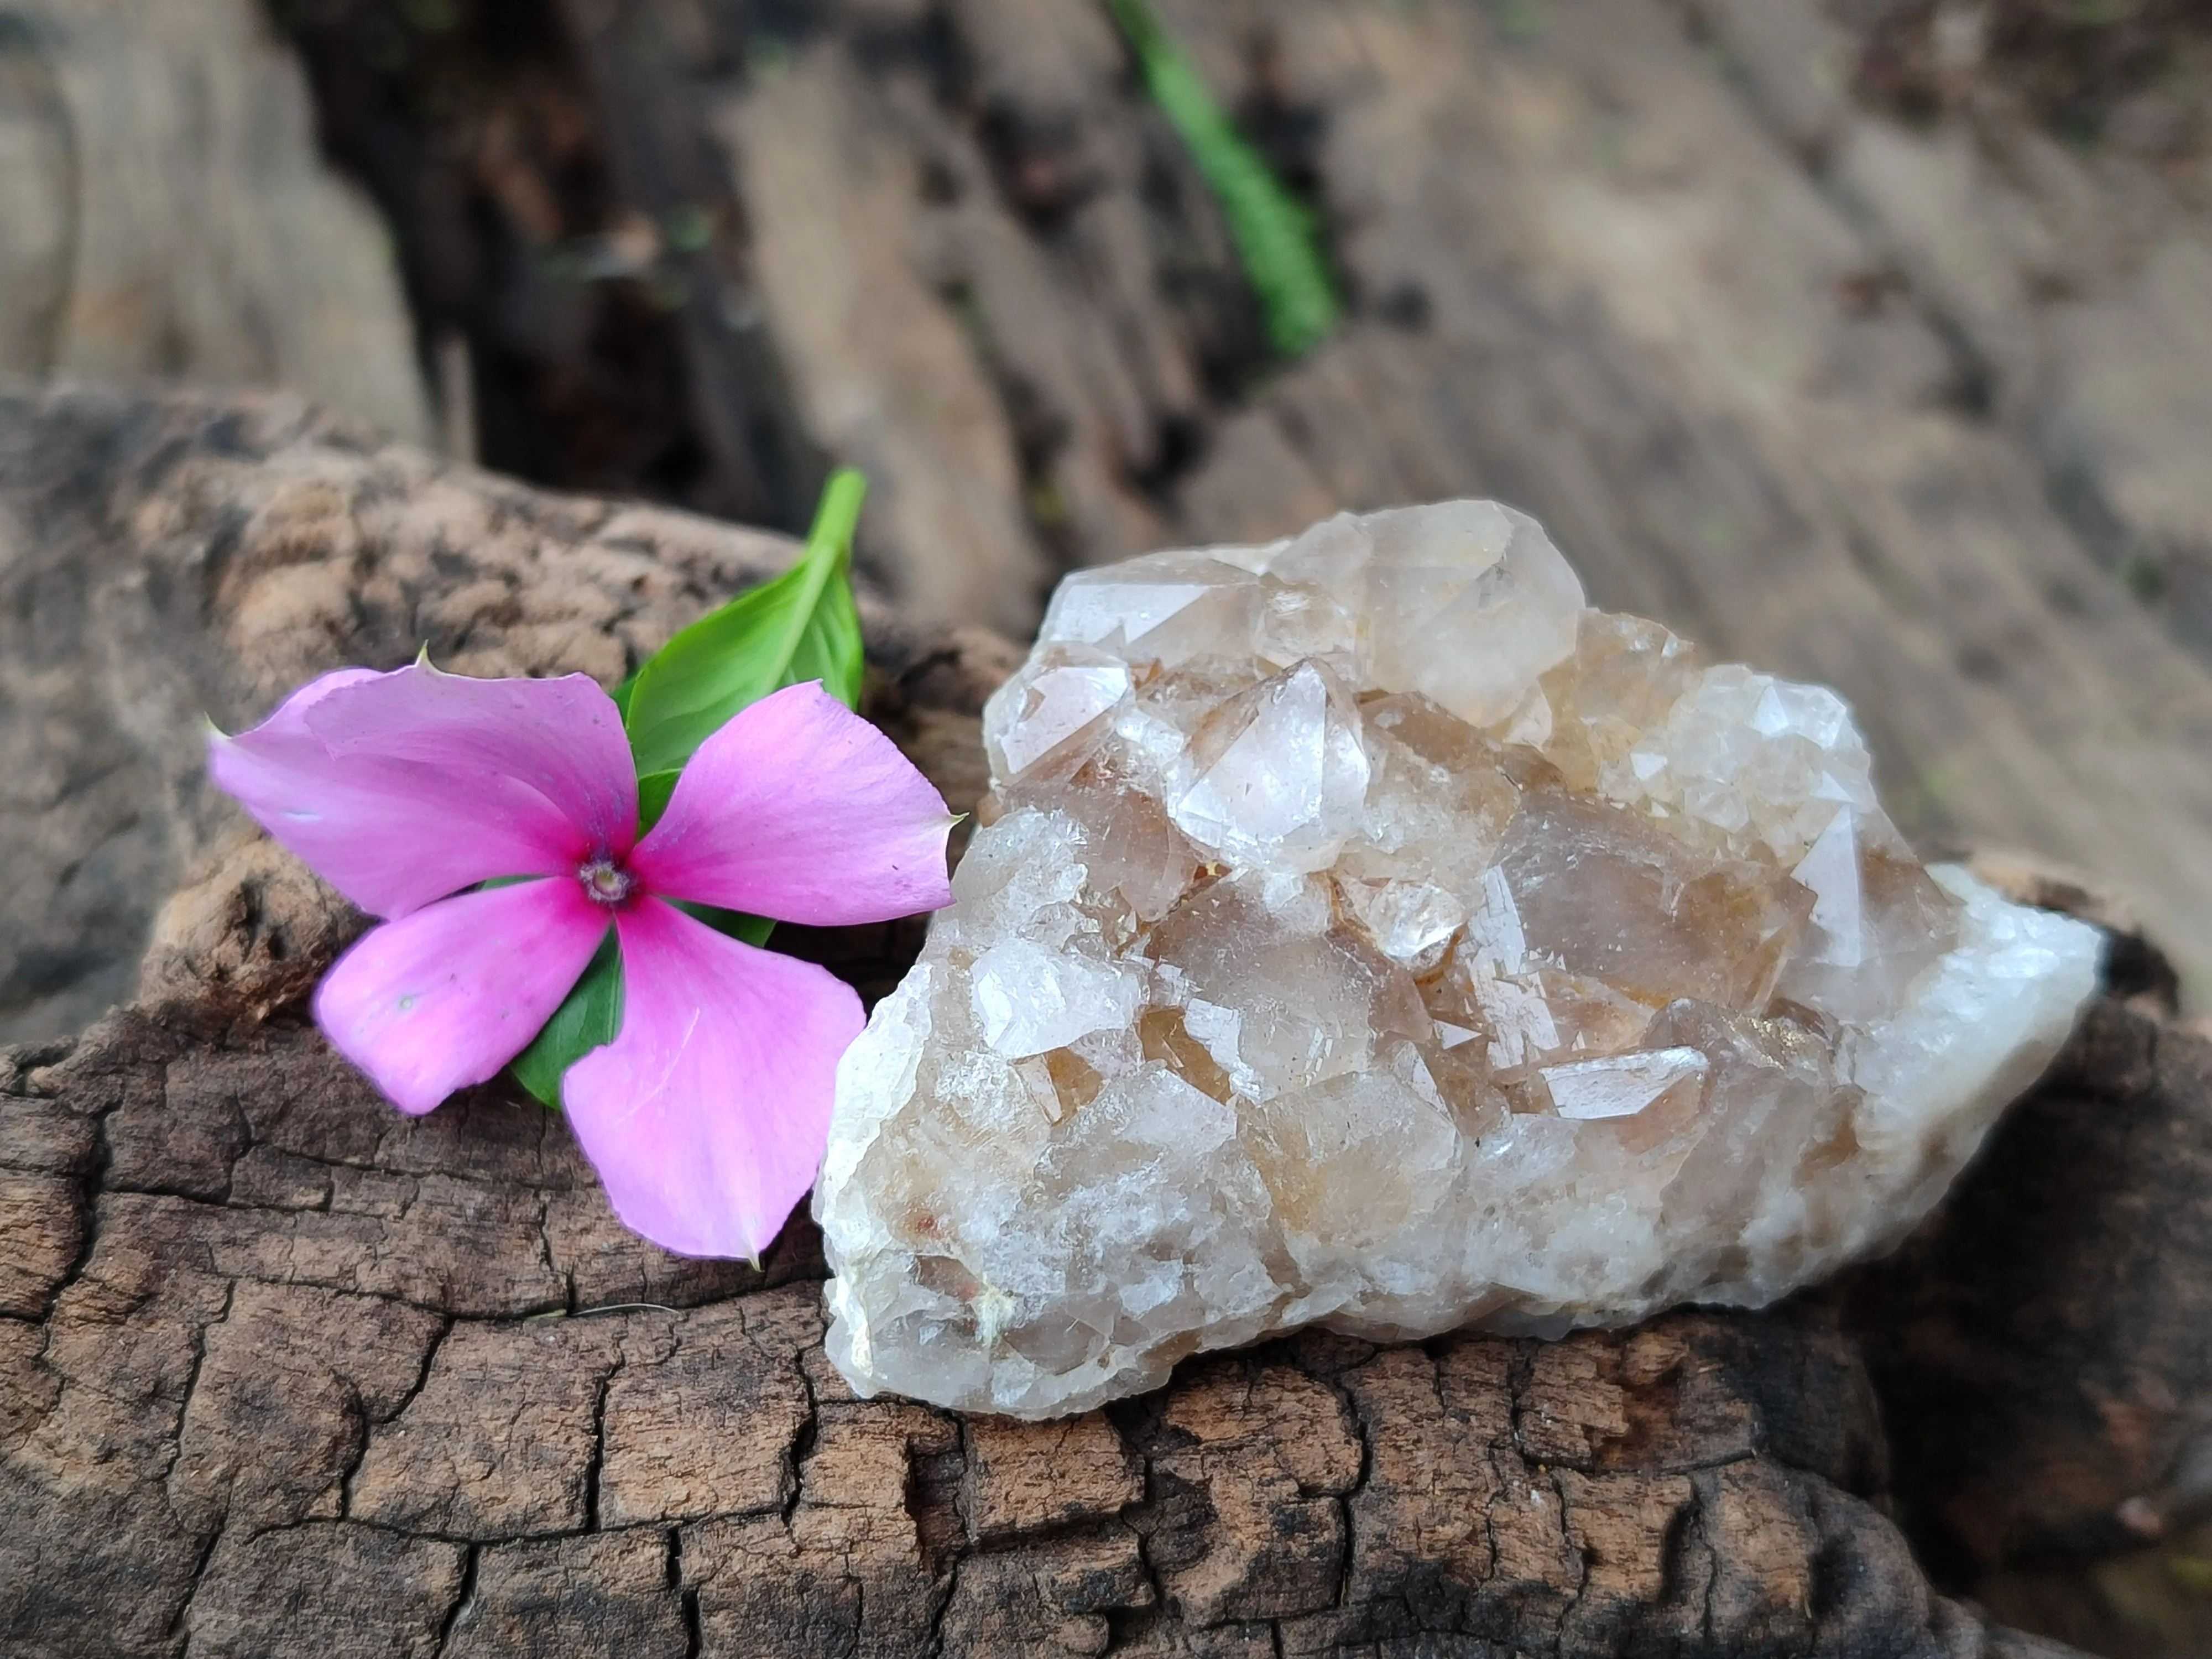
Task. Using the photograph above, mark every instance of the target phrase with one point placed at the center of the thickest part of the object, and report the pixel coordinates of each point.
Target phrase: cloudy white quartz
(1363, 931)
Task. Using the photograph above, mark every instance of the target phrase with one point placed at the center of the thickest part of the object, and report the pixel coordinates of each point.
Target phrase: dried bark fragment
(1033, 1477)
(607, 1593)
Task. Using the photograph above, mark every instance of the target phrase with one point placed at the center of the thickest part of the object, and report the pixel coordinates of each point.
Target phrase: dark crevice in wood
(463, 1599)
(487, 151)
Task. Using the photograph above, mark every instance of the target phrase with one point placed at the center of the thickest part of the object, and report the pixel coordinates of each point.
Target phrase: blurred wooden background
(1866, 340)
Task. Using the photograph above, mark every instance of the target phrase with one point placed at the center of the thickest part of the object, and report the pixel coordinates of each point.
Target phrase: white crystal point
(1363, 931)
(1466, 602)
(1061, 696)
(1620, 1085)
(1278, 777)
(1163, 608)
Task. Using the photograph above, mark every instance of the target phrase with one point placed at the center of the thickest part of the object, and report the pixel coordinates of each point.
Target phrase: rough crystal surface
(1363, 931)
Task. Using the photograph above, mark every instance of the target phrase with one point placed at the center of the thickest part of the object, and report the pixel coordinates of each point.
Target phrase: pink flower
(707, 1115)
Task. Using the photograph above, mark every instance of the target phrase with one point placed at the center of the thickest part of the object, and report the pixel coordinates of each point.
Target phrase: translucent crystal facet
(1363, 931)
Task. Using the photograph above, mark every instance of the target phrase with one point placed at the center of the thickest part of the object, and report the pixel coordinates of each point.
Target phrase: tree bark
(282, 1371)
(2043, 1349)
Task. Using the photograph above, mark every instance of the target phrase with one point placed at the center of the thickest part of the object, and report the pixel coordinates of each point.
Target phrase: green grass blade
(1276, 236)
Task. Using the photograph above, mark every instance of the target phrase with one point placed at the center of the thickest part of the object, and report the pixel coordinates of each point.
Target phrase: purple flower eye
(605, 882)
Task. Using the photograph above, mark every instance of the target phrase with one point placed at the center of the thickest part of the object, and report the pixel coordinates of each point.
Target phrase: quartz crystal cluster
(1363, 931)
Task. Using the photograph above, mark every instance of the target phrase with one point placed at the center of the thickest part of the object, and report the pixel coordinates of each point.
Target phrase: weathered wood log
(169, 562)
(282, 1371)
(2071, 272)
(167, 214)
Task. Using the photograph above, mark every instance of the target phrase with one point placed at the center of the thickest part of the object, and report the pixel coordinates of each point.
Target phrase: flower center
(605, 882)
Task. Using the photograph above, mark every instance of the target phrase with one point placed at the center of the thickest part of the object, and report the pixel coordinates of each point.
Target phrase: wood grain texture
(2071, 275)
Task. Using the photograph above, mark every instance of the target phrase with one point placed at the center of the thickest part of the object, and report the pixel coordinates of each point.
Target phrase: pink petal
(391, 836)
(563, 737)
(800, 809)
(400, 788)
(291, 715)
(707, 1117)
(446, 996)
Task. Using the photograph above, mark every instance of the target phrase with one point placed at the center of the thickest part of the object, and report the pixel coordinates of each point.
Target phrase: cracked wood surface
(282, 1371)
(427, 1396)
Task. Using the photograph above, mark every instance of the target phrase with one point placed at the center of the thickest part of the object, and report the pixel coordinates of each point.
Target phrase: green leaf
(591, 1014)
(801, 626)
(653, 790)
(752, 930)
(589, 1018)
(1274, 233)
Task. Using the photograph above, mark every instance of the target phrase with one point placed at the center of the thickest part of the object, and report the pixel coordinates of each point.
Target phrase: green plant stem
(1274, 233)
